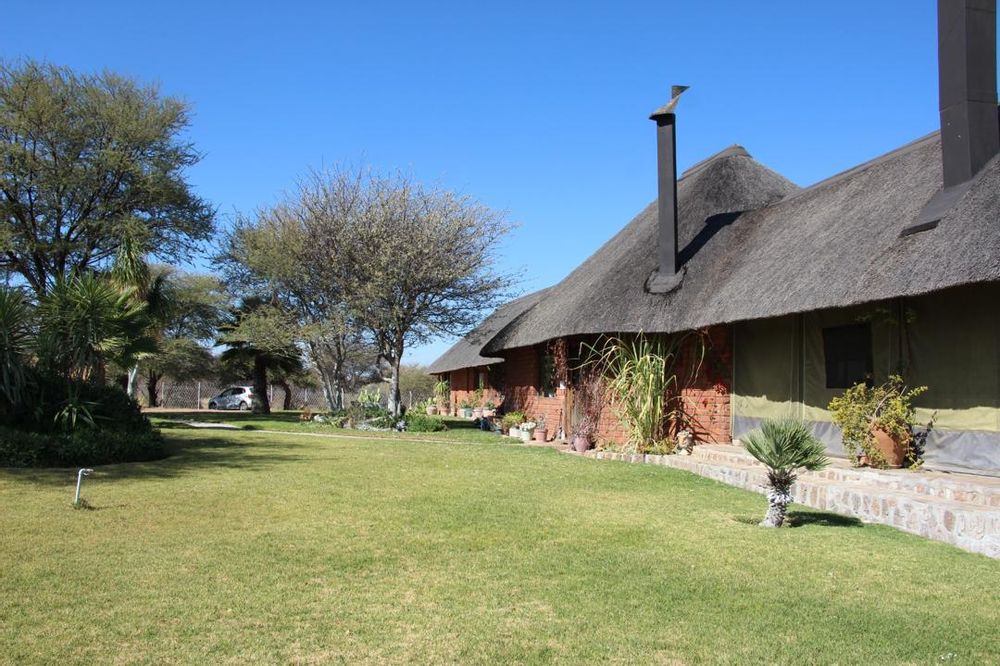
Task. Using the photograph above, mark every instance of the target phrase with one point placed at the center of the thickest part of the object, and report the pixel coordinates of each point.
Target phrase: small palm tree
(784, 447)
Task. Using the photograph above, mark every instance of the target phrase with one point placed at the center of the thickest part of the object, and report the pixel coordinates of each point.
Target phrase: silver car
(234, 397)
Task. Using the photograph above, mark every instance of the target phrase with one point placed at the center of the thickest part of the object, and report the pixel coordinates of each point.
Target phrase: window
(546, 374)
(848, 354)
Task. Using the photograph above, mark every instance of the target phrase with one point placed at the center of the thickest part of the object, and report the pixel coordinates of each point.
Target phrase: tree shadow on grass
(821, 519)
(183, 456)
(805, 518)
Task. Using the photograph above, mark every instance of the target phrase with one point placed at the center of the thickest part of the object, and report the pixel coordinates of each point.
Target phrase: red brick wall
(463, 387)
(521, 388)
(705, 400)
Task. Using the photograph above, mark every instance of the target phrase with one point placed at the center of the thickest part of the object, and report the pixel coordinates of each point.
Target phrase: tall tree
(421, 264)
(83, 157)
(287, 251)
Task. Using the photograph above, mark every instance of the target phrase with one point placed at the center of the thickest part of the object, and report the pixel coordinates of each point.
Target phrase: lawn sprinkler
(79, 479)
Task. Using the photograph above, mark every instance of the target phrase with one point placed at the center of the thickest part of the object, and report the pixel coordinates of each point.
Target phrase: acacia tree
(289, 250)
(82, 159)
(420, 263)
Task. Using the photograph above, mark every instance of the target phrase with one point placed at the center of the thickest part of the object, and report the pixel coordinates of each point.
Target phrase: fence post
(270, 394)
(197, 404)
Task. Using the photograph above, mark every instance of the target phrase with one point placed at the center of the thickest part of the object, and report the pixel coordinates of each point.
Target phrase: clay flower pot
(891, 448)
(432, 410)
(581, 444)
(541, 434)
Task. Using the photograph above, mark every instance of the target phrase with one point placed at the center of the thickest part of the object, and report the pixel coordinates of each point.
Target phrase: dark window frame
(546, 374)
(847, 355)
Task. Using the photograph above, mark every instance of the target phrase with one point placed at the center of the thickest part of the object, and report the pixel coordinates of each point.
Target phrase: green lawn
(250, 547)
(462, 430)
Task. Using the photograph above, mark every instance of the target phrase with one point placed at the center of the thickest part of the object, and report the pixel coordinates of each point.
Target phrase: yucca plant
(784, 447)
(15, 338)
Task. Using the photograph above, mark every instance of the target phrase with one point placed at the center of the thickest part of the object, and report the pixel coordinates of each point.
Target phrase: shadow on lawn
(805, 518)
(183, 456)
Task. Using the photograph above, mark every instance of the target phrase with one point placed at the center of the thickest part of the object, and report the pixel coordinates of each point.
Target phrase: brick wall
(463, 387)
(705, 399)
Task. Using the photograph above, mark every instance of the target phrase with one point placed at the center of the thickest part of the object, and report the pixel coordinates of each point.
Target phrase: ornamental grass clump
(641, 382)
(784, 447)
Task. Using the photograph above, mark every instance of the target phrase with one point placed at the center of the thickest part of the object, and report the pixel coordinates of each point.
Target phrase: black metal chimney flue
(967, 73)
(668, 275)
(967, 85)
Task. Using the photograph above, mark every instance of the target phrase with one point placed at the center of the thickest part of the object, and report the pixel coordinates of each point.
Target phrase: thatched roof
(833, 244)
(465, 352)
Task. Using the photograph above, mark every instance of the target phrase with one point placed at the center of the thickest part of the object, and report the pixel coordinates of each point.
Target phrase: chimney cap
(668, 108)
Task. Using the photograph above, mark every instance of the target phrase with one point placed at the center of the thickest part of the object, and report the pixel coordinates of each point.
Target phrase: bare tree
(421, 264)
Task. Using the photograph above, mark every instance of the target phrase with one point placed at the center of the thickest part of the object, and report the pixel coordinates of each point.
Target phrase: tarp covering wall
(949, 341)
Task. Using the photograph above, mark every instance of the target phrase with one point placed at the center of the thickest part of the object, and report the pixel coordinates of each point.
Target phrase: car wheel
(244, 406)
(212, 405)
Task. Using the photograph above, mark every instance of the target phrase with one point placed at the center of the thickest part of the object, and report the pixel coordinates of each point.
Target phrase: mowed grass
(248, 547)
(459, 429)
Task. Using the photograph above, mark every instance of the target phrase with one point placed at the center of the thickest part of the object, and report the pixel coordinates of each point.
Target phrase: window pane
(848, 354)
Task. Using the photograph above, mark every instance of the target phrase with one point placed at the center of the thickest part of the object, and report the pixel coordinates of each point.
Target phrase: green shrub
(19, 448)
(83, 446)
(416, 422)
(77, 423)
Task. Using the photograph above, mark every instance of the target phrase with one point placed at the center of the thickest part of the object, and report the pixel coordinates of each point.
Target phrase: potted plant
(430, 407)
(466, 408)
(527, 430)
(877, 423)
(583, 436)
(490, 408)
(510, 423)
(442, 393)
(541, 433)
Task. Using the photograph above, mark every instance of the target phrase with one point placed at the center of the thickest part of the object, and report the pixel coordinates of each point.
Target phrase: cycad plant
(784, 447)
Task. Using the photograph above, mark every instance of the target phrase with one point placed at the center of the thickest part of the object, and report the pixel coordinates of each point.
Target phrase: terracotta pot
(581, 444)
(432, 410)
(891, 448)
(541, 434)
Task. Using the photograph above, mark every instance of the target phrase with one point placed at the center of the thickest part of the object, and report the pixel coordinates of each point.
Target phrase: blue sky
(539, 108)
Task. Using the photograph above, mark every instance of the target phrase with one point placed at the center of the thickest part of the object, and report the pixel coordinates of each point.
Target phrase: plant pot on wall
(541, 435)
(432, 410)
(892, 448)
(477, 413)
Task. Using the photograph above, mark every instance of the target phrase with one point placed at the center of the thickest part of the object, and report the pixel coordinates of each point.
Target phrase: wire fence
(196, 395)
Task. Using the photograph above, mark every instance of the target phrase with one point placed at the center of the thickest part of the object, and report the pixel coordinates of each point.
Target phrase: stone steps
(967, 489)
(915, 502)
